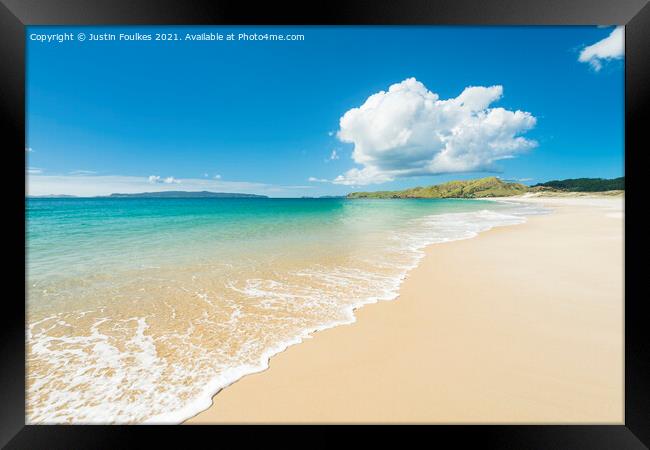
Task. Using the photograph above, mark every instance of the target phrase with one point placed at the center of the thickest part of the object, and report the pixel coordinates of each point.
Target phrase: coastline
(476, 359)
(408, 240)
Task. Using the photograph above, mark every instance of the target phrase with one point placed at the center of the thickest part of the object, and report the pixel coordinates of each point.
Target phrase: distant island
(496, 187)
(53, 196)
(187, 194)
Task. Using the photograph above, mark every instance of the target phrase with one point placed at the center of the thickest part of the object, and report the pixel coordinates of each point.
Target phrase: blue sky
(265, 117)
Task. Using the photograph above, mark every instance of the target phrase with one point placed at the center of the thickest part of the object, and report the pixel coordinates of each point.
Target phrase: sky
(341, 109)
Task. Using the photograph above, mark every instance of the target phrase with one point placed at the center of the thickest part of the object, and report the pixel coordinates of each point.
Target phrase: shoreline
(281, 400)
(307, 334)
(421, 232)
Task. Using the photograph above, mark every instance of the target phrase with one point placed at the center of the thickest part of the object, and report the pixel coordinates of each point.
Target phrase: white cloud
(612, 47)
(97, 185)
(334, 155)
(28, 149)
(409, 131)
(217, 177)
(34, 170)
(153, 179)
(317, 180)
(83, 172)
(360, 177)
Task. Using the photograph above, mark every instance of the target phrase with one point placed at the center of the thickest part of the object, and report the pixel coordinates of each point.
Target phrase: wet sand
(522, 324)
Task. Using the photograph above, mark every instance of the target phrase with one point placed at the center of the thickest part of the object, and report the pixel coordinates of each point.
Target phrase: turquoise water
(70, 231)
(140, 309)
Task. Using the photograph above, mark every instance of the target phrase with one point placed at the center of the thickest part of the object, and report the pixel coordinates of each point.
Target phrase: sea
(139, 310)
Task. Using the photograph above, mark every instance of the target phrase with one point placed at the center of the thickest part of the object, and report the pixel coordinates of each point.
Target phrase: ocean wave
(162, 359)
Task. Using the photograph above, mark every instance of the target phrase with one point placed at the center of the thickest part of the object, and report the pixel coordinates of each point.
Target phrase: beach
(520, 324)
(140, 310)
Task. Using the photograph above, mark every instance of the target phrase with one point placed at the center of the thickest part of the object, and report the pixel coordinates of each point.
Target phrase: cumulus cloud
(154, 179)
(612, 47)
(409, 131)
(334, 155)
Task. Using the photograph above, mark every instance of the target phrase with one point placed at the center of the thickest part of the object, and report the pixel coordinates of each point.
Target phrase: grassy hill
(585, 184)
(479, 188)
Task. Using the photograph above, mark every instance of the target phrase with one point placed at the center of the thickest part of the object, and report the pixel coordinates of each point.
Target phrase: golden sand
(522, 324)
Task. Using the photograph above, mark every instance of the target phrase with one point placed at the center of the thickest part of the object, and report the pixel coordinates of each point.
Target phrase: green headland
(496, 187)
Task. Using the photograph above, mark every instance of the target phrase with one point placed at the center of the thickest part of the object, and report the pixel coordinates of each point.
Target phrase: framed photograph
(412, 213)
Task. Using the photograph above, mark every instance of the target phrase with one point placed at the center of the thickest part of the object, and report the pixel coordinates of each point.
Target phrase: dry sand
(522, 324)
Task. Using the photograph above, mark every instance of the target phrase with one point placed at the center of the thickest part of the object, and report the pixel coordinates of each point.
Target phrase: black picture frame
(635, 14)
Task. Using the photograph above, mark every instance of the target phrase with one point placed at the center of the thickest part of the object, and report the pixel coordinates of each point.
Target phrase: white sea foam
(93, 373)
(436, 229)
